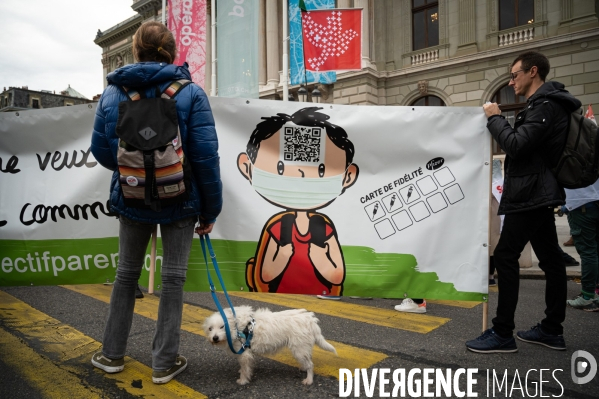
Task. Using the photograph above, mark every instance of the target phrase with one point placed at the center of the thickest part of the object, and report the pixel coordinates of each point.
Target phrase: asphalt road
(47, 336)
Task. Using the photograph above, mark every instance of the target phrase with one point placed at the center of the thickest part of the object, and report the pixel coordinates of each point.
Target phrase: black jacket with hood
(533, 145)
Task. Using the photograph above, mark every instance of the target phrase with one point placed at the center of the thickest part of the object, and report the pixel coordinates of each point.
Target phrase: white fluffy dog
(296, 329)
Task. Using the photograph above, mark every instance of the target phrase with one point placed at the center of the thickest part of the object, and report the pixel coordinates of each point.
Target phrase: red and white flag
(187, 22)
(589, 114)
(332, 40)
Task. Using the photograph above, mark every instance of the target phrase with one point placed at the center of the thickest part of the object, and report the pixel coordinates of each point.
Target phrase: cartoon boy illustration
(300, 163)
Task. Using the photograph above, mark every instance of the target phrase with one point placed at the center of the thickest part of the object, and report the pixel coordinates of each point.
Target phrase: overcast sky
(49, 44)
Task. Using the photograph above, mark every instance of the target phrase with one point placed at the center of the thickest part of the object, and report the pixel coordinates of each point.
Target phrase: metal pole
(285, 51)
(213, 30)
(163, 12)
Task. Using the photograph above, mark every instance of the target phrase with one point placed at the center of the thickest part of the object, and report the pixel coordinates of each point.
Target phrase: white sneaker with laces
(408, 305)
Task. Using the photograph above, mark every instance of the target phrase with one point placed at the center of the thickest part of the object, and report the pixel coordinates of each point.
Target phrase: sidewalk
(563, 235)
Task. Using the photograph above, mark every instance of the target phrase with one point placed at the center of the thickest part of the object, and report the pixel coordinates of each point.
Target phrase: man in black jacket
(530, 193)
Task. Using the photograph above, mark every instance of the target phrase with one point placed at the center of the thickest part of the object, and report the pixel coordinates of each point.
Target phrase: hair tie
(159, 48)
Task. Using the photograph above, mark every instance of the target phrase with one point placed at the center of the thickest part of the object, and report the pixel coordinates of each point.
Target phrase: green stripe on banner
(90, 261)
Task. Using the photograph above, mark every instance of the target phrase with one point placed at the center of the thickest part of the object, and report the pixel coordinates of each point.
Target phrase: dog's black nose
(215, 338)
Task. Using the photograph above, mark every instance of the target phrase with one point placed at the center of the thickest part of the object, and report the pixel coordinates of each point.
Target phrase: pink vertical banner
(187, 21)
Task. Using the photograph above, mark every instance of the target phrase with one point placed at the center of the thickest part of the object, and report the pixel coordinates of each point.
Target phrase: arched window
(432, 101)
(510, 105)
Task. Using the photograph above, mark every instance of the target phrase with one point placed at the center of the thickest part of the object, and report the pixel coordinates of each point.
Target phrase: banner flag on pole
(238, 51)
(589, 114)
(296, 49)
(332, 40)
(187, 22)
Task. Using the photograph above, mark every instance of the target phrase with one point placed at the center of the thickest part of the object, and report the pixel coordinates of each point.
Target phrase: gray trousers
(133, 241)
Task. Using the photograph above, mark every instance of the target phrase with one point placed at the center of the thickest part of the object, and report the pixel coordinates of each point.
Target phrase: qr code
(302, 144)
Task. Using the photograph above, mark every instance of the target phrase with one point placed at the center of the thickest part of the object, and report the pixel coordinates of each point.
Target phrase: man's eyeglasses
(513, 75)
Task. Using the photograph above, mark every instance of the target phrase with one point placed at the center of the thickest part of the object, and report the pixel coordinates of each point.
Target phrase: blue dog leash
(240, 335)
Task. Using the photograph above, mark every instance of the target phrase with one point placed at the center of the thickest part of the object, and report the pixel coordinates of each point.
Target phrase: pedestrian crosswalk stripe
(419, 323)
(41, 373)
(67, 350)
(325, 363)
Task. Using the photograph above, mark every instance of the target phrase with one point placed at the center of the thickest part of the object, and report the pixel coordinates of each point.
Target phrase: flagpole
(213, 44)
(285, 51)
(163, 12)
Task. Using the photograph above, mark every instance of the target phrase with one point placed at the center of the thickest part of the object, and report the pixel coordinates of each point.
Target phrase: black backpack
(153, 169)
(578, 165)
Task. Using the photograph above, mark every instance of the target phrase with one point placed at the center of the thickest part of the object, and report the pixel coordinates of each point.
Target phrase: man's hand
(491, 109)
(204, 228)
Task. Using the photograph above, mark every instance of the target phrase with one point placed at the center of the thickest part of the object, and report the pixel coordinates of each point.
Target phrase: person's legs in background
(584, 226)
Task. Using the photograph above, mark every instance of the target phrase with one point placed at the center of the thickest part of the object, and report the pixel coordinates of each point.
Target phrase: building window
(432, 101)
(425, 23)
(35, 103)
(515, 13)
(510, 105)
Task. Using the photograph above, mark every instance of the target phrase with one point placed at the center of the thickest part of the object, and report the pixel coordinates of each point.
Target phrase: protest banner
(368, 201)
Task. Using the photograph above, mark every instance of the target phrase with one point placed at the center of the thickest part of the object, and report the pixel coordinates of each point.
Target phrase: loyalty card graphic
(414, 198)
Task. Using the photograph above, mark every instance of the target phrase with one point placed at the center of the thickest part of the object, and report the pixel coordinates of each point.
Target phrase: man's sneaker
(106, 364)
(536, 336)
(138, 293)
(408, 305)
(490, 342)
(162, 377)
(580, 303)
(332, 297)
(569, 260)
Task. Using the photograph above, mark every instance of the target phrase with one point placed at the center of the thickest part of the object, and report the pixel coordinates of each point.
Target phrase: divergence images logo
(580, 367)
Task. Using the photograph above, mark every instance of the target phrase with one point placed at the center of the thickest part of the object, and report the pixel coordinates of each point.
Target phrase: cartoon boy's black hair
(303, 117)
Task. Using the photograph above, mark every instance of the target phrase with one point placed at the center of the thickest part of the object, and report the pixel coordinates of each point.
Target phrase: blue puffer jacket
(198, 134)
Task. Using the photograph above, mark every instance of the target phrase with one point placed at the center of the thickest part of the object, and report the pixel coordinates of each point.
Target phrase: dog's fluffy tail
(321, 342)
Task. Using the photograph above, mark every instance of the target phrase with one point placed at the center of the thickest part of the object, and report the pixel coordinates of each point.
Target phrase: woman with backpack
(174, 197)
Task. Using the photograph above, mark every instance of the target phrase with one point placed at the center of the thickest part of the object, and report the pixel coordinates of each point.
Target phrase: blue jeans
(133, 241)
(584, 227)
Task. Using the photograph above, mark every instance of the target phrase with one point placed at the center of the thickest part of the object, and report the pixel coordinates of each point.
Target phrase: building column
(467, 27)
(366, 60)
(272, 43)
(262, 46)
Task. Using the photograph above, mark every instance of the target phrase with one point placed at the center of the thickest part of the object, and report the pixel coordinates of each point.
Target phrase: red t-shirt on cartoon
(300, 276)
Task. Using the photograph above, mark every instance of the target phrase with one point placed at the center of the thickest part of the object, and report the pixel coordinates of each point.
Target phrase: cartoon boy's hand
(317, 253)
(285, 252)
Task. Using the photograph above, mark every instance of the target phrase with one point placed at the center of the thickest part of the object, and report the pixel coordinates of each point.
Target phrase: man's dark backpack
(153, 169)
(578, 165)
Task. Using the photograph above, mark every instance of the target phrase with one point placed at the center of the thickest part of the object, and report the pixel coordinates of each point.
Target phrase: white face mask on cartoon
(297, 192)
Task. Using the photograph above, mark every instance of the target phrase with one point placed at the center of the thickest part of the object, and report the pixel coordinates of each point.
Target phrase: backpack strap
(174, 88)
(132, 93)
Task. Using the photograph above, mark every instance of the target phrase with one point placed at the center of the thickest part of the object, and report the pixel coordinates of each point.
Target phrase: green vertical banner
(237, 48)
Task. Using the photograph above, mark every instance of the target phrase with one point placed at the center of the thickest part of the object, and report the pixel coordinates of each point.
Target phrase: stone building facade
(462, 60)
(15, 99)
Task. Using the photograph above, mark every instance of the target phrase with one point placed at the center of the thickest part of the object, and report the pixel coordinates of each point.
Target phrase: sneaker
(106, 364)
(490, 342)
(594, 307)
(331, 297)
(570, 261)
(408, 305)
(138, 293)
(580, 303)
(162, 377)
(536, 336)
(492, 282)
